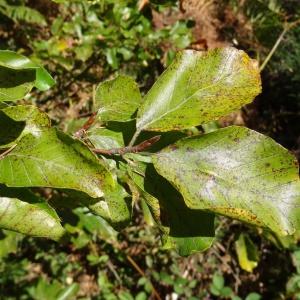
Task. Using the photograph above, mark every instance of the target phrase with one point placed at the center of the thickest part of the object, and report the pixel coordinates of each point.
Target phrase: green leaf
(238, 173)
(117, 99)
(95, 224)
(246, 252)
(24, 212)
(50, 158)
(218, 281)
(9, 243)
(20, 120)
(214, 290)
(198, 88)
(52, 290)
(115, 207)
(103, 138)
(14, 84)
(21, 13)
(18, 75)
(253, 296)
(183, 229)
(226, 291)
(69, 292)
(111, 57)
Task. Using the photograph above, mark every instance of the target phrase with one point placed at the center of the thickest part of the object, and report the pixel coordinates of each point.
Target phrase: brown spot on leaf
(173, 147)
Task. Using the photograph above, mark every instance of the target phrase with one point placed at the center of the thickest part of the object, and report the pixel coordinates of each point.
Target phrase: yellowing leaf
(198, 88)
(246, 252)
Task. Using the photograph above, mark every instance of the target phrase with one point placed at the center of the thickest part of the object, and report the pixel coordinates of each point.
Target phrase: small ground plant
(149, 149)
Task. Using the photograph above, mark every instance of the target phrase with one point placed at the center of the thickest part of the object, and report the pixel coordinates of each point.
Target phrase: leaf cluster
(109, 163)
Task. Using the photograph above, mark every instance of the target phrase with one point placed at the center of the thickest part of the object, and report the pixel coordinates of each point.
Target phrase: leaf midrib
(185, 100)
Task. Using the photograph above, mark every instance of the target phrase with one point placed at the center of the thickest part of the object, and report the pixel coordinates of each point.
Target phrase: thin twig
(286, 28)
(79, 133)
(113, 270)
(2, 155)
(281, 36)
(142, 273)
(129, 149)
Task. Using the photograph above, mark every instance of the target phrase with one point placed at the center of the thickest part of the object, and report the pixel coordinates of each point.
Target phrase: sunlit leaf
(199, 87)
(50, 158)
(22, 211)
(117, 99)
(238, 173)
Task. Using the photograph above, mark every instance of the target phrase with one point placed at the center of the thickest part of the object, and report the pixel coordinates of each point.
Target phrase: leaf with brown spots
(50, 158)
(20, 120)
(183, 229)
(238, 173)
(117, 99)
(24, 212)
(199, 87)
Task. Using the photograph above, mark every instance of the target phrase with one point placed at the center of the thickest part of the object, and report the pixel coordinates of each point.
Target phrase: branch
(129, 149)
(286, 28)
(79, 133)
(142, 273)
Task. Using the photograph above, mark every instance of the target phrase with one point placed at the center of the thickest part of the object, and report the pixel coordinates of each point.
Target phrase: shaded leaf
(20, 120)
(22, 211)
(166, 138)
(117, 99)
(14, 84)
(199, 87)
(126, 128)
(183, 229)
(50, 158)
(22, 13)
(18, 75)
(103, 138)
(96, 225)
(9, 243)
(238, 173)
(115, 207)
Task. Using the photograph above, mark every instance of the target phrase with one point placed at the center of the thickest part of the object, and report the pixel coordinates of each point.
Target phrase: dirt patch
(205, 14)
